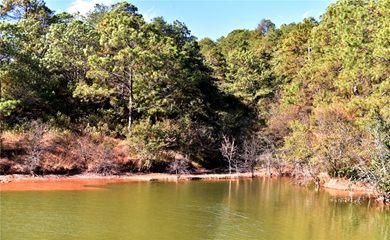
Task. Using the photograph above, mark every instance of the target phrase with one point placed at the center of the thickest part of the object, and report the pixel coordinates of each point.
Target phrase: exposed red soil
(84, 181)
(52, 184)
(345, 188)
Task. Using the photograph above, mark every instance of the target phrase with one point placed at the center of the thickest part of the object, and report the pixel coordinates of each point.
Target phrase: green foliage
(214, 59)
(249, 75)
(150, 140)
(25, 9)
(7, 106)
(237, 39)
(265, 26)
(298, 146)
(22, 78)
(333, 73)
(377, 168)
(294, 50)
(348, 172)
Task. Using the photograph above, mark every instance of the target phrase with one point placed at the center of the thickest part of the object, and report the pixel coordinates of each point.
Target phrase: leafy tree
(214, 58)
(7, 51)
(377, 168)
(332, 64)
(294, 50)
(249, 75)
(123, 55)
(93, 17)
(206, 44)
(67, 46)
(24, 80)
(265, 26)
(237, 39)
(298, 147)
(16, 10)
(336, 140)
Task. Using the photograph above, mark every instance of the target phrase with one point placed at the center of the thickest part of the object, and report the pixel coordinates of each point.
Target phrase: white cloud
(320, 14)
(279, 17)
(149, 14)
(83, 6)
(307, 13)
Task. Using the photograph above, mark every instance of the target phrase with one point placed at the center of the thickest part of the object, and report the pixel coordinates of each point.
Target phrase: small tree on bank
(35, 146)
(229, 151)
(179, 167)
(377, 172)
(251, 150)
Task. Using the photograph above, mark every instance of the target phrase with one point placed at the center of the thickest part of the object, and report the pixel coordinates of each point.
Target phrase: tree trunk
(131, 100)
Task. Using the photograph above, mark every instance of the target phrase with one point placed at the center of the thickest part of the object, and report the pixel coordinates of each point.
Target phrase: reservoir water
(240, 209)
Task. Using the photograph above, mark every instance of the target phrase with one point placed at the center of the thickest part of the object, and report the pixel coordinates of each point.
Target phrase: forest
(109, 92)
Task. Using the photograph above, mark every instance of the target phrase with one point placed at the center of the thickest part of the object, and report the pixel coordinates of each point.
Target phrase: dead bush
(104, 159)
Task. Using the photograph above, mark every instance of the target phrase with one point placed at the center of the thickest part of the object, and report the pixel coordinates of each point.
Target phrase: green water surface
(244, 209)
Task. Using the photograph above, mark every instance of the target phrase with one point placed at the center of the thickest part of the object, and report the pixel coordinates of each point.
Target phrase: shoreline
(84, 181)
(335, 187)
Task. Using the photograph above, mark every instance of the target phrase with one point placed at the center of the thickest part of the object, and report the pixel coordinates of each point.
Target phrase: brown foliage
(63, 153)
(336, 139)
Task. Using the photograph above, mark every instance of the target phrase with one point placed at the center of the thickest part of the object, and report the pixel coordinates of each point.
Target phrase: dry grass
(63, 153)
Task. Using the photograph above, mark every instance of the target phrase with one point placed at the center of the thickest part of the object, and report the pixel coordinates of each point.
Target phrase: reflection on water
(245, 209)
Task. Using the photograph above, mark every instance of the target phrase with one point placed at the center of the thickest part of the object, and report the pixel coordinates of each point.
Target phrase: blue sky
(215, 18)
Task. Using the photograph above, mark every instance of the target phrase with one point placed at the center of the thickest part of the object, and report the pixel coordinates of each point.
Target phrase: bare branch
(229, 151)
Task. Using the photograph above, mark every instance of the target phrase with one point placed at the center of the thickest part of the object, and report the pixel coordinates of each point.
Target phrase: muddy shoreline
(83, 181)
